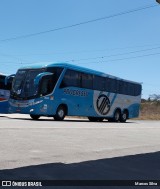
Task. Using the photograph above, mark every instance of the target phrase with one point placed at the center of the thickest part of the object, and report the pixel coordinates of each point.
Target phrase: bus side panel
(4, 106)
(79, 101)
(85, 102)
(39, 106)
(134, 110)
(106, 103)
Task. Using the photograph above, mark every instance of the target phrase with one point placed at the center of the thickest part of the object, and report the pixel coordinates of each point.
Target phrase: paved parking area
(72, 148)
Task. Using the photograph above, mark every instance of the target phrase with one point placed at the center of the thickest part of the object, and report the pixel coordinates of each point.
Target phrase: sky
(125, 45)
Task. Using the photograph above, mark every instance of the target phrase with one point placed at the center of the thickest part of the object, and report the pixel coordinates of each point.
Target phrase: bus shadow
(3, 116)
(70, 120)
(67, 120)
(133, 167)
(100, 122)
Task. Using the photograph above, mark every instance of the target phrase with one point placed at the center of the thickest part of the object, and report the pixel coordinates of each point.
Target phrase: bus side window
(2, 82)
(124, 88)
(99, 83)
(46, 85)
(71, 79)
(120, 87)
(56, 72)
(87, 81)
(137, 89)
(9, 83)
(111, 85)
(131, 89)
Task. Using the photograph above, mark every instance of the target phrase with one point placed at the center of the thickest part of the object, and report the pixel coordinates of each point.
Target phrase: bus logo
(103, 104)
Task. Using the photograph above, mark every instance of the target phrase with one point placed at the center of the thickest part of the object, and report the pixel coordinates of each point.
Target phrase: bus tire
(34, 117)
(124, 116)
(60, 113)
(117, 115)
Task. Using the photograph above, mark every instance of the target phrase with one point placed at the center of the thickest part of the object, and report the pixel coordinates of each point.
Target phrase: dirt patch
(150, 110)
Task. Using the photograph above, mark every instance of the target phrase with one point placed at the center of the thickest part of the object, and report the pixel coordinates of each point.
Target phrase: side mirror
(7, 78)
(40, 76)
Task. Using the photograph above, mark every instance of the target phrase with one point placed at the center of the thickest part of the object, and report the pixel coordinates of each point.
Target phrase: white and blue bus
(5, 87)
(62, 89)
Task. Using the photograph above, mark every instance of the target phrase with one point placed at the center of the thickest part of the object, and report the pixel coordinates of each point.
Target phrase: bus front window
(30, 89)
(23, 85)
(18, 82)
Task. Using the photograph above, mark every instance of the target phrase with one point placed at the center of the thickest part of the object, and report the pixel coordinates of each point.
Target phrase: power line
(78, 24)
(119, 59)
(84, 59)
(120, 54)
(96, 62)
(83, 51)
(91, 58)
(127, 58)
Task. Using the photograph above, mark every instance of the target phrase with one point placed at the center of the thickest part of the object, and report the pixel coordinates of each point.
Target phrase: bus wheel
(60, 113)
(34, 117)
(117, 115)
(124, 117)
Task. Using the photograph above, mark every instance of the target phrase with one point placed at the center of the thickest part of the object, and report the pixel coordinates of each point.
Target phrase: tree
(155, 97)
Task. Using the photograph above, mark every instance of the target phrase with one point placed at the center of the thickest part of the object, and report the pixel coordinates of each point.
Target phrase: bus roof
(75, 67)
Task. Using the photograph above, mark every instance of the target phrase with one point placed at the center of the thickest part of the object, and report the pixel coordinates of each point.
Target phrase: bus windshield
(24, 86)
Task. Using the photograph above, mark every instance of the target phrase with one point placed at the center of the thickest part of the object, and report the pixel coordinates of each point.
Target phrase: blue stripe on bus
(114, 98)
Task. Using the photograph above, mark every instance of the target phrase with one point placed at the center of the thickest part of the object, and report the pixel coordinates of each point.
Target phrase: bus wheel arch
(61, 112)
(124, 115)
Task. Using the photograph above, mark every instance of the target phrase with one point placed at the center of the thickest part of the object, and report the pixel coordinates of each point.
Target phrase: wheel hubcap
(61, 113)
(117, 116)
(124, 116)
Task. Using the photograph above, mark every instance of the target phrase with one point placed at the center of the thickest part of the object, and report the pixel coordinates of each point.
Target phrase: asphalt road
(78, 149)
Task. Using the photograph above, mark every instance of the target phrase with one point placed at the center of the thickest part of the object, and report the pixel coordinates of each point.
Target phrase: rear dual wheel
(118, 116)
(124, 116)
